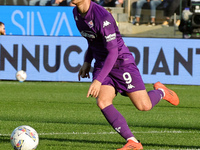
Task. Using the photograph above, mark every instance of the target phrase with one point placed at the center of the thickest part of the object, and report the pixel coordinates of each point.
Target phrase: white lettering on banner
(59, 20)
(28, 23)
(17, 12)
(55, 23)
(64, 18)
(50, 59)
(32, 23)
(41, 23)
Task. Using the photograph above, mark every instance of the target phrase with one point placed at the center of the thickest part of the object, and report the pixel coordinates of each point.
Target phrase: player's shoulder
(102, 16)
(74, 10)
(100, 12)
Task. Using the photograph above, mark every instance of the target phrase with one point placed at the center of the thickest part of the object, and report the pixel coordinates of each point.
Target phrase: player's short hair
(1, 23)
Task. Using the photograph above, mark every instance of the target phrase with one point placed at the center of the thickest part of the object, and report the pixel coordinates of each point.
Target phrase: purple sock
(117, 121)
(155, 96)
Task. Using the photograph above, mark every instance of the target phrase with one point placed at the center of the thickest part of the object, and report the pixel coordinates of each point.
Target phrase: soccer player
(114, 69)
(2, 29)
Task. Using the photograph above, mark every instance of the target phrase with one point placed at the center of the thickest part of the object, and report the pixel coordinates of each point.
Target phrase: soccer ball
(21, 75)
(24, 138)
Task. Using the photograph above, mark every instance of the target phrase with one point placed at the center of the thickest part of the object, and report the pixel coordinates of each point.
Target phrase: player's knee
(145, 107)
(102, 103)
(101, 106)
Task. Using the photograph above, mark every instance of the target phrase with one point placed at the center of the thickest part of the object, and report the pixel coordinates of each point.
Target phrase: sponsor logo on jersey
(110, 37)
(88, 34)
(130, 86)
(106, 23)
(90, 24)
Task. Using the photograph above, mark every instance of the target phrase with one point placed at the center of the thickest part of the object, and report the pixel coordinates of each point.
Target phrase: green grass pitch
(66, 120)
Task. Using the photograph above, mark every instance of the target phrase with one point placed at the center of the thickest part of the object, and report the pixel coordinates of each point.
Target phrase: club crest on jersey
(90, 24)
(106, 23)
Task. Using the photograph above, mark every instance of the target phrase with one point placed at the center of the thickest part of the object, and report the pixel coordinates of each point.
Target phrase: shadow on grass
(122, 143)
(171, 146)
(167, 126)
(77, 122)
(6, 139)
(163, 106)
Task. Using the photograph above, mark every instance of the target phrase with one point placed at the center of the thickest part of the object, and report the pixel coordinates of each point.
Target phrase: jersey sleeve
(88, 55)
(108, 30)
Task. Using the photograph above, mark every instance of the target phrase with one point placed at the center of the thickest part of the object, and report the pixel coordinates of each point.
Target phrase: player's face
(2, 30)
(77, 2)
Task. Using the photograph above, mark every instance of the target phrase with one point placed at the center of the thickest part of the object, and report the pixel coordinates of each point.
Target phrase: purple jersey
(105, 43)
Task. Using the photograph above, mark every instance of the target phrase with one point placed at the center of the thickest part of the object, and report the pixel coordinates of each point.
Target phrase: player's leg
(113, 116)
(106, 96)
(131, 83)
(169, 95)
(145, 101)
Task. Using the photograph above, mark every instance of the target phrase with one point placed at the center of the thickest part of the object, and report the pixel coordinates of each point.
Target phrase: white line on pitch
(92, 133)
(151, 132)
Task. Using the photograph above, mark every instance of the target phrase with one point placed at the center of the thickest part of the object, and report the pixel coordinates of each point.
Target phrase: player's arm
(110, 42)
(85, 69)
(108, 65)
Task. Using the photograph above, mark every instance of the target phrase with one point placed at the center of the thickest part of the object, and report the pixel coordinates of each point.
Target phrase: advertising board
(171, 61)
(39, 20)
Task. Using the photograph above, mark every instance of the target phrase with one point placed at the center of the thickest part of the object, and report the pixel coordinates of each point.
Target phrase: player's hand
(94, 89)
(84, 71)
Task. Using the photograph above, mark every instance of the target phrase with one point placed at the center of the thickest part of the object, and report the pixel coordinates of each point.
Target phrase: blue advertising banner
(39, 20)
(43, 58)
(171, 61)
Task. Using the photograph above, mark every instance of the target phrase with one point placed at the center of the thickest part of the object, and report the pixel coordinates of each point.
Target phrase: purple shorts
(125, 79)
